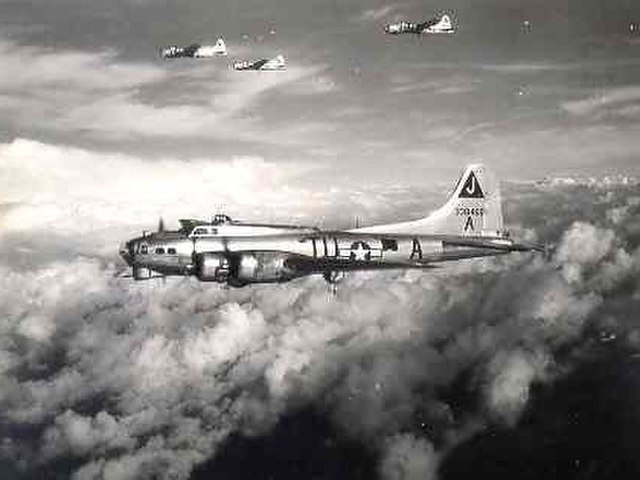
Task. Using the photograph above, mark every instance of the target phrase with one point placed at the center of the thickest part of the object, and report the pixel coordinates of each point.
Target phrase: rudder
(473, 209)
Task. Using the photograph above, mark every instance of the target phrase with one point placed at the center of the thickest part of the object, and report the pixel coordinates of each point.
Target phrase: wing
(305, 264)
(258, 64)
(429, 23)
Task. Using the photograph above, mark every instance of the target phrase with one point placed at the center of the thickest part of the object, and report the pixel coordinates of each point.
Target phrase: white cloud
(585, 244)
(623, 102)
(377, 14)
(29, 69)
(102, 97)
(526, 68)
(73, 190)
(409, 458)
(511, 377)
(171, 371)
(79, 197)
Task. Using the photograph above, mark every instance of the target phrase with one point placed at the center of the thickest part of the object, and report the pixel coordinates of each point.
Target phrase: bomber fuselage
(253, 254)
(468, 225)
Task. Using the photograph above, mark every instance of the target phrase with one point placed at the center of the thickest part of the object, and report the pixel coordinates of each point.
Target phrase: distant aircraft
(277, 63)
(435, 25)
(222, 250)
(196, 50)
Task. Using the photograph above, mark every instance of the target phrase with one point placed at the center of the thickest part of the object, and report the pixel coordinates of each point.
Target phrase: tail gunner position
(468, 225)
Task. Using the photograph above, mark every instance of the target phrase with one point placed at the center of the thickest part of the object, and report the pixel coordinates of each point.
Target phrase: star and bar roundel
(360, 251)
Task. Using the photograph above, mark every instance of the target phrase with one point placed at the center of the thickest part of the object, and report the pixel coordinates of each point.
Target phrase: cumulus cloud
(376, 14)
(73, 193)
(170, 371)
(92, 71)
(511, 376)
(115, 189)
(619, 102)
(409, 458)
(113, 379)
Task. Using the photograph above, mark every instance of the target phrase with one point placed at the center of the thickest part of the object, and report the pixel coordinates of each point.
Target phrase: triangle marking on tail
(471, 188)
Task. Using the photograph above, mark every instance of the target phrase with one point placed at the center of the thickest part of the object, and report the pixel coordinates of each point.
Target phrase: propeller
(160, 225)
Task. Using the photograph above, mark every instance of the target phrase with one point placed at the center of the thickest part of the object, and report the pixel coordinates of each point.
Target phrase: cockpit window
(160, 251)
(144, 250)
(171, 251)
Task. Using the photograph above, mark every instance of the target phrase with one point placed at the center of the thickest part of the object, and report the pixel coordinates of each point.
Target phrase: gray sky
(563, 98)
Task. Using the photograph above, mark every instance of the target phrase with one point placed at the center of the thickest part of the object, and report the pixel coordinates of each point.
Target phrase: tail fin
(220, 46)
(444, 23)
(473, 209)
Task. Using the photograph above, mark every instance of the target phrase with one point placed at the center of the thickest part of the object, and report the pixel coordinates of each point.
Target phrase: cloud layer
(108, 379)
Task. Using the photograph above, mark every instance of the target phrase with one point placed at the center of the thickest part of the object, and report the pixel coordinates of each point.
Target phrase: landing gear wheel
(333, 278)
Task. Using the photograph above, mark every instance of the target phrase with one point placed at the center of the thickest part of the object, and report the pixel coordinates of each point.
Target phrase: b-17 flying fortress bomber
(219, 49)
(435, 25)
(277, 63)
(235, 253)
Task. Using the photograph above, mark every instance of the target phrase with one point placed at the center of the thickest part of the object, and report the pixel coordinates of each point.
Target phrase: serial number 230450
(467, 211)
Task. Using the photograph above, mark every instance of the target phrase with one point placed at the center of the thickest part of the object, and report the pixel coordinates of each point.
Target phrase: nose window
(160, 251)
(144, 250)
(171, 251)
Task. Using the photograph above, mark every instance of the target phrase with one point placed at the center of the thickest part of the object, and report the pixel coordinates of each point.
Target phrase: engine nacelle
(241, 268)
(142, 273)
(212, 267)
(254, 267)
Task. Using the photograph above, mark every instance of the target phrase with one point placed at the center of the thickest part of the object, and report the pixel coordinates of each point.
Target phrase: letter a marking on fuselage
(471, 188)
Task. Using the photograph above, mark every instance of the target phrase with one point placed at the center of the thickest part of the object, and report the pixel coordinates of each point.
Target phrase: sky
(400, 375)
(561, 97)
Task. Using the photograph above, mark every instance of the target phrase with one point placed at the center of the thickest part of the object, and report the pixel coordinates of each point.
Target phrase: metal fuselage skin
(242, 254)
(194, 51)
(468, 225)
(275, 64)
(433, 26)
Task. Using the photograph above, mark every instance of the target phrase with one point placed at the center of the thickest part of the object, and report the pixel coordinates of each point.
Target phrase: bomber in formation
(219, 49)
(222, 250)
(436, 25)
(277, 63)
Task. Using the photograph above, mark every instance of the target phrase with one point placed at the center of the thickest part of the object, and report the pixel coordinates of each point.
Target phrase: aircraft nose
(126, 252)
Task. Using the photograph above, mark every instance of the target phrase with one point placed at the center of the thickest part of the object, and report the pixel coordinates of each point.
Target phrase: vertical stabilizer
(220, 47)
(444, 23)
(473, 209)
